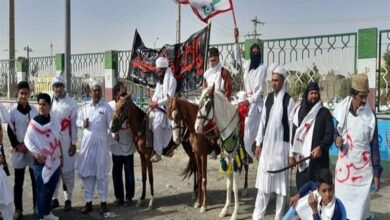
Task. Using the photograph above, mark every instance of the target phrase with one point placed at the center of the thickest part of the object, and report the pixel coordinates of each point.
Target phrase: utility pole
(255, 35)
(154, 42)
(68, 70)
(28, 51)
(51, 49)
(11, 50)
(178, 22)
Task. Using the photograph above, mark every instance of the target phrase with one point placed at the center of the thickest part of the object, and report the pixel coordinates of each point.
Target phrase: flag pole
(236, 38)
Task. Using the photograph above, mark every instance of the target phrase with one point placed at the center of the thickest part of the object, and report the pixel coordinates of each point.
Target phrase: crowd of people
(278, 133)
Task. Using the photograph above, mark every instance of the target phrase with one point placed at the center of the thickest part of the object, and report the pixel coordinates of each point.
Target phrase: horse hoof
(196, 205)
(150, 207)
(223, 213)
(234, 217)
(140, 202)
(244, 193)
(203, 209)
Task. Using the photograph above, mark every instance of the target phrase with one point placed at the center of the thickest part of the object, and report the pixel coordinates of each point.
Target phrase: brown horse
(182, 114)
(127, 111)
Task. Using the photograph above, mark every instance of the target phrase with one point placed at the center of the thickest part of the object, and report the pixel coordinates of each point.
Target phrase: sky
(100, 25)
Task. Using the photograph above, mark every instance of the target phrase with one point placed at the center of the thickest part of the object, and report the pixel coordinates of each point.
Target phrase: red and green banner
(206, 9)
(186, 60)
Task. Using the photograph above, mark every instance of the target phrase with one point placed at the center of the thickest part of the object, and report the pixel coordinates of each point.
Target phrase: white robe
(45, 140)
(354, 171)
(18, 123)
(94, 157)
(125, 146)
(65, 111)
(253, 82)
(6, 193)
(213, 76)
(160, 122)
(275, 151)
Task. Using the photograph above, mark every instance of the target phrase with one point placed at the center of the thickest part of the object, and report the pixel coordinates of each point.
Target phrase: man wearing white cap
(358, 164)
(166, 86)
(64, 109)
(94, 163)
(272, 145)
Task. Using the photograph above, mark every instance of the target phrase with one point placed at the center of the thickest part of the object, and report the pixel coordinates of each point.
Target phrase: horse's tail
(191, 166)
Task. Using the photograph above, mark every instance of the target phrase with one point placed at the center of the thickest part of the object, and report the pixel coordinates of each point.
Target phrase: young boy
(19, 117)
(316, 200)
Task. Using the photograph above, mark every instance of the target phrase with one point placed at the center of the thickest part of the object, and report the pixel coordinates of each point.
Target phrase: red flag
(206, 9)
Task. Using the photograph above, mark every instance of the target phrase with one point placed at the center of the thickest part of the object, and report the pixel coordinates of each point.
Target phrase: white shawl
(273, 137)
(341, 113)
(304, 133)
(45, 140)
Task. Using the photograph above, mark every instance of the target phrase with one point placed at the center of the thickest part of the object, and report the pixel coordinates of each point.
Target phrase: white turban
(280, 70)
(58, 79)
(95, 83)
(162, 62)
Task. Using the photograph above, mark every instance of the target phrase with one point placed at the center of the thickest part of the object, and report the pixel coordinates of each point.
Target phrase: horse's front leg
(229, 180)
(236, 199)
(203, 208)
(150, 173)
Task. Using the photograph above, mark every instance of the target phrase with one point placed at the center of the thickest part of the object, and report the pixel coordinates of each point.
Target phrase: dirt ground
(173, 195)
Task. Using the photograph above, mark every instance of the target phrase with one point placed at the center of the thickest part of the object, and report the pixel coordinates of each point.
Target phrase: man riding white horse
(220, 78)
(166, 87)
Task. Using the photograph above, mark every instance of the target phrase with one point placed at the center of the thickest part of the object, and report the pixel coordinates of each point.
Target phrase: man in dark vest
(272, 145)
(312, 135)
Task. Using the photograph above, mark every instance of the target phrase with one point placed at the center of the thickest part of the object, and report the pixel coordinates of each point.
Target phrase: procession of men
(279, 131)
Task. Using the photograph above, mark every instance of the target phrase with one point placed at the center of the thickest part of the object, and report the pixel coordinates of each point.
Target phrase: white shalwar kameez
(94, 163)
(19, 123)
(274, 156)
(213, 76)
(65, 111)
(253, 82)
(125, 146)
(6, 196)
(162, 131)
(354, 171)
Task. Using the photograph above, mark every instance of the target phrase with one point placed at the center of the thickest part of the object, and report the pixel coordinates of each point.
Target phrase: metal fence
(383, 92)
(327, 59)
(7, 68)
(85, 68)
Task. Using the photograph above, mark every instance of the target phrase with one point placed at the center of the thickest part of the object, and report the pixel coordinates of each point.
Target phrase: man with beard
(162, 131)
(272, 145)
(312, 135)
(358, 164)
(93, 162)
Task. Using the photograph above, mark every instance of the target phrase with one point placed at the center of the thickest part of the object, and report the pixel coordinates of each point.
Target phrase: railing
(327, 59)
(7, 68)
(383, 94)
(86, 67)
(41, 66)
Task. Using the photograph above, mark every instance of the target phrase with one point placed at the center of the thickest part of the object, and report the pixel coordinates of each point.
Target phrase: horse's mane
(225, 111)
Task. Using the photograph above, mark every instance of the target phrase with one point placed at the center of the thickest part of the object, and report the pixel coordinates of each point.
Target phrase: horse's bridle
(182, 124)
(205, 117)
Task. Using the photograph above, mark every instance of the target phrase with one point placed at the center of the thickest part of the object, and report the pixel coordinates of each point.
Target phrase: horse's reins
(213, 128)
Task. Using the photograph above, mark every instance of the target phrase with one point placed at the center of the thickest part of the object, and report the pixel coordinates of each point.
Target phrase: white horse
(213, 105)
